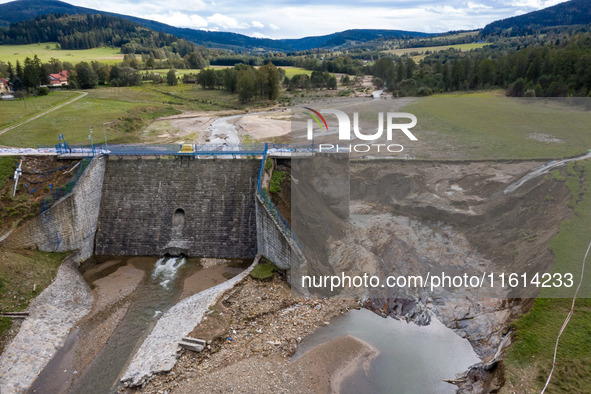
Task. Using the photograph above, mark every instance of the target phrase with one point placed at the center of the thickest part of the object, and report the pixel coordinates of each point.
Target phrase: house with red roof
(59, 79)
(4, 85)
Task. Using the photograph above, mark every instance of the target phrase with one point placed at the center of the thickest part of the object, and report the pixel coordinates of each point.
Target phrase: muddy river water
(412, 359)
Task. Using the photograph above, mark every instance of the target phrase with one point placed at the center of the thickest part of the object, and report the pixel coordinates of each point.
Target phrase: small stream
(154, 295)
(224, 132)
(412, 359)
(166, 280)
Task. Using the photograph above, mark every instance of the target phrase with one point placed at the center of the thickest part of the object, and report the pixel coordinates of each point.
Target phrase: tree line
(560, 67)
(245, 80)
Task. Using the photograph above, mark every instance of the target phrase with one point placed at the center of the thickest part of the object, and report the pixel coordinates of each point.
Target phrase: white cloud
(176, 18)
(257, 24)
(226, 22)
(184, 5)
(477, 6)
(273, 27)
(536, 4)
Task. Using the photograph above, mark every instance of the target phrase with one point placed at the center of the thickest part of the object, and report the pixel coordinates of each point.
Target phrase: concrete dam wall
(201, 208)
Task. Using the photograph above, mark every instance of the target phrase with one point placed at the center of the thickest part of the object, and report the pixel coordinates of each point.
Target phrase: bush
(43, 91)
(276, 181)
(263, 271)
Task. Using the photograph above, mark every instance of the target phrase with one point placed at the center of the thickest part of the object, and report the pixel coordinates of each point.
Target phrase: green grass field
(10, 53)
(474, 127)
(19, 271)
(180, 71)
(529, 359)
(422, 50)
(18, 110)
(130, 109)
(289, 71)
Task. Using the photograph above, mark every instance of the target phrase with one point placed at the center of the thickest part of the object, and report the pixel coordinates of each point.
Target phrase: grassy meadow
(421, 51)
(529, 359)
(47, 50)
(483, 126)
(129, 108)
(12, 112)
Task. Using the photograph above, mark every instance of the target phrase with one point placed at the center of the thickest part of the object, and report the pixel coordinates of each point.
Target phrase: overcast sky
(299, 18)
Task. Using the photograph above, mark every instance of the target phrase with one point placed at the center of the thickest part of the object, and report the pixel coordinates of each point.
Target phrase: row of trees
(89, 75)
(317, 80)
(246, 81)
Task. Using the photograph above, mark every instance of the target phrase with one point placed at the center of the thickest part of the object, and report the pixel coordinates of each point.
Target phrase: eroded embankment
(130, 293)
(456, 217)
(419, 217)
(51, 317)
(158, 352)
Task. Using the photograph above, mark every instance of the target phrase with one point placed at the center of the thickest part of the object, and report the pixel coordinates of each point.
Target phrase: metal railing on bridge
(65, 150)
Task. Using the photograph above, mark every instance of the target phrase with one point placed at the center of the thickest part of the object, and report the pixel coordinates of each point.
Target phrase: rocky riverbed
(254, 328)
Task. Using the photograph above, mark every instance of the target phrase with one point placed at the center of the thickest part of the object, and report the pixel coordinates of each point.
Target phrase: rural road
(82, 94)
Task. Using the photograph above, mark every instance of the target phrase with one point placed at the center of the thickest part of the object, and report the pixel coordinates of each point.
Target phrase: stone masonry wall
(68, 225)
(272, 242)
(212, 202)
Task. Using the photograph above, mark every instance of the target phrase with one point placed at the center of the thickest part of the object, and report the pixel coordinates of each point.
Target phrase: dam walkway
(65, 151)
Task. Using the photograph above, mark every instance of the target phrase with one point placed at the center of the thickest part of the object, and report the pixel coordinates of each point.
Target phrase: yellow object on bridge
(187, 148)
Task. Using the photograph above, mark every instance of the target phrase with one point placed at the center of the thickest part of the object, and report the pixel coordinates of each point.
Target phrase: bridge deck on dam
(65, 151)
(201, 208)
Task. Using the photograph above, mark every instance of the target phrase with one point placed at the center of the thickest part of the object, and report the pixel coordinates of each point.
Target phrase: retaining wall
(272, 242)
(68, 225)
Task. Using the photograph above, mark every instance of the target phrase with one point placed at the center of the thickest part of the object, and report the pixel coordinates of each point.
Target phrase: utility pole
(105, 132)
(90, 138)
(17, 174)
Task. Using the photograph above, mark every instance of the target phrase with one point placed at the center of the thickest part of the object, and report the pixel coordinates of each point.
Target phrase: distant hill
(573, 12)
(84, 31)
(22, 10)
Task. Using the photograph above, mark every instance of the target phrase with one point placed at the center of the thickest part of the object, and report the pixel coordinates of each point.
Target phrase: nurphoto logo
(344, 130)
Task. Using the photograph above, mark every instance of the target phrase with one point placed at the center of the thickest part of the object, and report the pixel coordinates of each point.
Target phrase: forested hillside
(573, 12)
(91, 31)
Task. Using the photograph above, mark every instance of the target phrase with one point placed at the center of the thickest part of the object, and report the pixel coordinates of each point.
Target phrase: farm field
(289, 71)
(10, 53)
